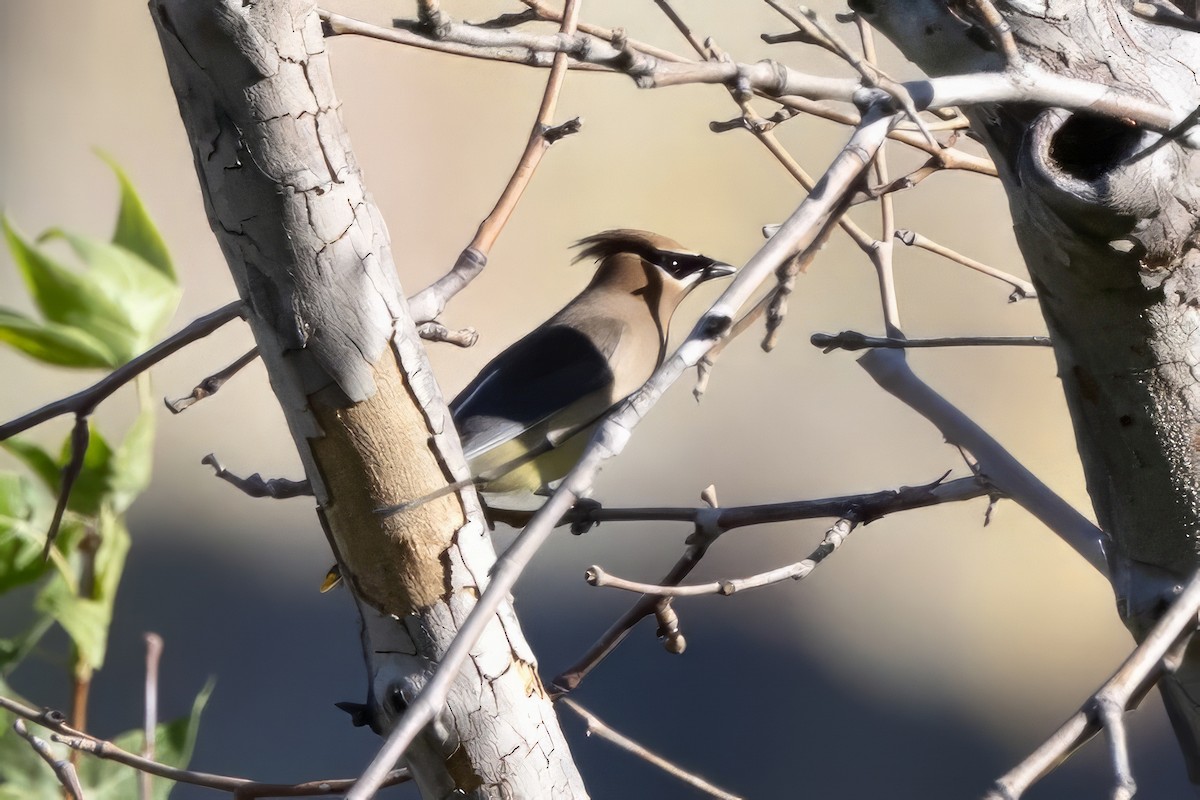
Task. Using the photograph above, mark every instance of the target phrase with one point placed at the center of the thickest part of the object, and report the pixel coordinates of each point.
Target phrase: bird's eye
(674, 263)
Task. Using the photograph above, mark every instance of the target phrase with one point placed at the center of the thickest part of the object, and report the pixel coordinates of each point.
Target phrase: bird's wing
(551, 384)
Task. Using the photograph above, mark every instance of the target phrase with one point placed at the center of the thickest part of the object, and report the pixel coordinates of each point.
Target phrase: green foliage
(99, 316)
(24, 776)
(105, 314)
(174, 742)
(60, 345)
(135, 232)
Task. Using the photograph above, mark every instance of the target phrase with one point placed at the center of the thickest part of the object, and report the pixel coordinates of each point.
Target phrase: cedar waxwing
(526, 417)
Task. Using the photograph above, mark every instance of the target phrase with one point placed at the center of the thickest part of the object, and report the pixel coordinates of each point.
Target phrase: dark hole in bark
(1087, 147)
(982, 38)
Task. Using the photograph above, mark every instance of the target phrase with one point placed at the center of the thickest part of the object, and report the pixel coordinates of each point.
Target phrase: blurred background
(923, 659)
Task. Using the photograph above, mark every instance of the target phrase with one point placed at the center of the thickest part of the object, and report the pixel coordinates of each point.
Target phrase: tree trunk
(1105, 214)
(311, 258)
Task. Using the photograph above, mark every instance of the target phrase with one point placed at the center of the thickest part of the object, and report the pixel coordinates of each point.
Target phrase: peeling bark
(310, 255)
(1105, 214)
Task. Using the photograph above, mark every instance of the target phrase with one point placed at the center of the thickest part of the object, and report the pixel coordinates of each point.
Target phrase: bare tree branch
(241, 788)
(257, 486)
(427, 304)
(1023, 288)
(154, 648)
(597, 726)
(64, 770)
(212, 384)
(853, 340)
(1149, 661)
(84, 402)
(798, 571)
(713, 521)
(80, 436)
(891, 371)
(778, 80)
(803, 226)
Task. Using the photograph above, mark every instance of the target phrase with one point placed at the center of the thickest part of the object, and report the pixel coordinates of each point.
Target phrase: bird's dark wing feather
(553, 368)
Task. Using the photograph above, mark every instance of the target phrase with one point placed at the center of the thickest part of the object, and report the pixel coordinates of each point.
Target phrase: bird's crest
(625, 240)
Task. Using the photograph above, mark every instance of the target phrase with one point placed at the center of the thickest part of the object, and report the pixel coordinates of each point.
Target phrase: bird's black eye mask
(678, 265)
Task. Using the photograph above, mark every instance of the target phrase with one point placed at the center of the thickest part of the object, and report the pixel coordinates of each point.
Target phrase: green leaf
(13, 650)
(110, 558)
(145, 296)
(113, 476)
(66, 297)
(22, 535)
(15, 502)
(135, 230)
(38, 460)
(174, 744)
(133, 461)
(52, 343)
(87, 619)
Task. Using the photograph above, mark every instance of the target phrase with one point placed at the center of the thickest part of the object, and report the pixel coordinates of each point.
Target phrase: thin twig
(778, 80)
(775, 305)
(946, 156)
(903, 183)
(801, 569)
(891, 371)
(242, 788)
(82, 671)
(257, 486)
(427, 304)
(570, 678)
(508, 20)
(597, 726)
(84, 402)
(872, 75)
(81, 434)
(806, 31)
(865, 507)
(437, 332)
(611, 435)
(776, 310)
(154, 648)
(744, 322)
(1000, 30)
(64, 770)
(212, 384)
(1140, 672)
(1112, 718)
(1023, 289)
(432, 18)
(552, 14)
(768, 139)
(881, 249)
(853, 340)
(513, 52)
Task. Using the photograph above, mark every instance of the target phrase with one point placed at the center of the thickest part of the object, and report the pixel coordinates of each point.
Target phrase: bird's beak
(717, 270)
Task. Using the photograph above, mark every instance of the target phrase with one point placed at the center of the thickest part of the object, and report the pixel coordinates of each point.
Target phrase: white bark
(310, 255)
(1105, 213)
